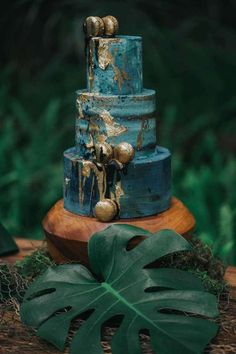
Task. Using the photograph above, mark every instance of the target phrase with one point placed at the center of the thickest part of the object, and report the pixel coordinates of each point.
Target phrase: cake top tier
(114, 65)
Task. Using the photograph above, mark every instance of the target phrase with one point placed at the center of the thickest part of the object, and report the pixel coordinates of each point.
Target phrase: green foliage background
(189, 58)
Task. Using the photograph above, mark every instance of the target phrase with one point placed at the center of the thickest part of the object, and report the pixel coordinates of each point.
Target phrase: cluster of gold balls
(95, 26)
(107, 209)
(123, 152)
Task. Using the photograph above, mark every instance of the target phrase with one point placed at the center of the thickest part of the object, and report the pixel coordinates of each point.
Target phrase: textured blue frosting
(115, 108)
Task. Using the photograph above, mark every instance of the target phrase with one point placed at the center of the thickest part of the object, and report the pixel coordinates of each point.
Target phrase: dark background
(189, 58)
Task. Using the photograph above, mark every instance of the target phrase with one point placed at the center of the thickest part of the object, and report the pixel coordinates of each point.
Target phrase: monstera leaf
(168, 303)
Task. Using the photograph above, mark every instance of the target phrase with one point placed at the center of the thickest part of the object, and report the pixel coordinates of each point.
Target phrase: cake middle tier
(114, 119)
(142, 188)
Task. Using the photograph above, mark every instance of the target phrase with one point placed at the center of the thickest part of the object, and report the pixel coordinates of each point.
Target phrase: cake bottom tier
(142, 188)
(68, 234)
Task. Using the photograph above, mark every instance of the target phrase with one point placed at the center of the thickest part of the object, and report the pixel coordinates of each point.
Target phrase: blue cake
(116, 168)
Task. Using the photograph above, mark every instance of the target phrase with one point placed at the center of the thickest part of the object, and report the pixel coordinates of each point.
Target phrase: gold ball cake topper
(106, 210)
(95, 26)
(104, 152)
(124, 152)
(111, 25)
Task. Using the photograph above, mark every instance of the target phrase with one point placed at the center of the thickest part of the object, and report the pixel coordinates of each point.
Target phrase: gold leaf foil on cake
(90, 144)
(112, 128)
(79, 107)
(118, 192)
(144, 125)
(105, 58)
(89, 166)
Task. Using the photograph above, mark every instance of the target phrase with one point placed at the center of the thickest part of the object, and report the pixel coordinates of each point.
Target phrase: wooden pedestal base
(67, 234)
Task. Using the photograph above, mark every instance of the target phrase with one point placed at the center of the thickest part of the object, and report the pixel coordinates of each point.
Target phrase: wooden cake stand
(67, 234)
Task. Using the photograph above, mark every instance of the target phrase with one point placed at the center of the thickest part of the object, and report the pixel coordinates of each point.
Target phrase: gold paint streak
(140, 138)
(118, 192)
(91, 64)
(100, 176)
(104, 55)
(104, 183)
(83, 97)
(86, 169)
(118, 77)
(90, 144)
(79, 106)
(144, 125)
(105, 58)
(83, 185)
(113, 128)
(101, 139)
(112, 196)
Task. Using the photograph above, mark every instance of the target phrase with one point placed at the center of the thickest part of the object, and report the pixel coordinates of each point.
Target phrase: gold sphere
(111, 25)
(124, 152)
(104, 152)
(106, 210)
(93, 26)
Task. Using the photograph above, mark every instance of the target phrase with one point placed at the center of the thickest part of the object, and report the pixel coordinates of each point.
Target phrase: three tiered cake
(116, 172)
(116, 169)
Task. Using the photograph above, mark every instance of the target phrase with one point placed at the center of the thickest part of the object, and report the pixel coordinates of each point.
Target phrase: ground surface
(17, 339)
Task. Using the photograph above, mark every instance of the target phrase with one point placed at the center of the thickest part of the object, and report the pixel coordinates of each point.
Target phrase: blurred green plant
(189, 57)
(208, 190)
